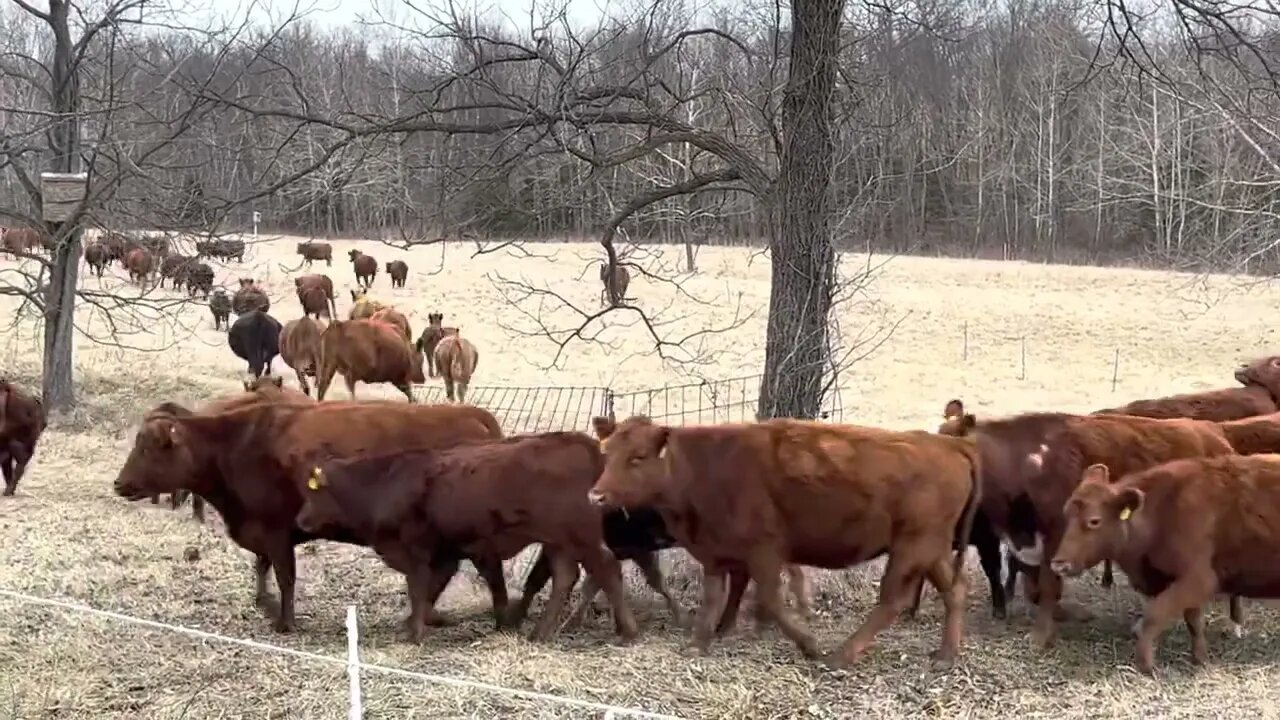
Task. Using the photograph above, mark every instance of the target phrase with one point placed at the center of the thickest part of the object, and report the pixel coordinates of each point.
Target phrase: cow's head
(353, 254)
(416, 360)
(162, 459)
(1097, 519)
(635, 462)
(956, 421)
(1263, 372)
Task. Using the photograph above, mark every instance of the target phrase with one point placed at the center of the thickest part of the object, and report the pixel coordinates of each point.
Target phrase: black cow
(255, 337)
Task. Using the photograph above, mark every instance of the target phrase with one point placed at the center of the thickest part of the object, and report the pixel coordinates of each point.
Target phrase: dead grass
(67, 536)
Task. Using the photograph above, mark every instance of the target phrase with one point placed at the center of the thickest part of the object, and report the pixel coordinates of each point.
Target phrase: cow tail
(970, 510)
(459, 362)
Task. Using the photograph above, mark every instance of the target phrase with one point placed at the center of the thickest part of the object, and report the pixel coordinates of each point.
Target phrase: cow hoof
(8, 492)
(283, 626)
(942, 661)
(1236, 630)
(836, 660)
(1000, 613)
(694, 651)
(1041, 642)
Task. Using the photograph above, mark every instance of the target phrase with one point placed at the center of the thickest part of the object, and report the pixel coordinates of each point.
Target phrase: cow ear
(969, 422)
(1096, 474)
(604, 427)
(663, 435)
(1129, 501)
(954, 408)
(278, 381)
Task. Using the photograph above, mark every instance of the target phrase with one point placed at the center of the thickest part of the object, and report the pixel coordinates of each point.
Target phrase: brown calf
(315, 295)
(365, 267)
(399, 272)
(312, 251)
(435, 332)
(1180, 531)
(300, 348)
(1123, 443)
(489, 501)
(95, 256)
(22, 422)
(616, 291)
(367, 351)
(249, 464)
(139, 264)
(456, 357)
(750, 497)
(249, 297)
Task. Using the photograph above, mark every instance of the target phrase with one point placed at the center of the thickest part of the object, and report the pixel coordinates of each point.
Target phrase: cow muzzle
(131, 494)
(1065, 568)
(597, 498)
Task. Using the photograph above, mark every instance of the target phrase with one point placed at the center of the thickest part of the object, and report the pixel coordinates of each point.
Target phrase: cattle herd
(1181, 493)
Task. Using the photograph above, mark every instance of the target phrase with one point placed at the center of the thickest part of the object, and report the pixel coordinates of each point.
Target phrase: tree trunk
(797, 347)
(58, 384)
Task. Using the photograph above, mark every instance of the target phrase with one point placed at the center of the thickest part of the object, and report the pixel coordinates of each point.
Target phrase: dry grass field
(66, 536)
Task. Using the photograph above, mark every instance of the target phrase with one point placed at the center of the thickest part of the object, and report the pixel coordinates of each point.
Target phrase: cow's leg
(302, 380)
(324, 376)
(197, 508)
(280, 552)
(1013, 567)
(916, 595)
(1048, 609)
(1108, 577)
(989, 558)
(10, 475)
(262, 597)
(606, 571)
(736, 587)
(350, 380)
(448, 386)
(648, 564)
(765, 568)
(801, 590)
(907, 560)
(590, 589)
(953, 587)
(1194, 618)
(407, 389)
(713, 602)
(462, 392)
(425, 584)
(490, 570)
(1187, 592)
(538, 576)
(564, 575)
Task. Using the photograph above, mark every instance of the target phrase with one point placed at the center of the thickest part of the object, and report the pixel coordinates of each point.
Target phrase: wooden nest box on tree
(62, 194)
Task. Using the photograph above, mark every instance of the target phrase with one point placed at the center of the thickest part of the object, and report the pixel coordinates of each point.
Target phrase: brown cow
(1259, 396)
(248, 464)
(754, 496)
(249, 297)
(396, 319)
(220, 306)
(1180, 531)
(1255, 435)
(1125, 444)
(365, 266)
(176, 268)
(315, 294)
(200, 280)
(312, 251)
(22, 239)
(399, 271)
(96, 257)
(271, 387)
(22, 421)
(431, 337)
(457, 358)
(140, 265)
(430, 510)
(367, 351)
(363, 306)
(118, 246)
(300, 348)
(621, 279)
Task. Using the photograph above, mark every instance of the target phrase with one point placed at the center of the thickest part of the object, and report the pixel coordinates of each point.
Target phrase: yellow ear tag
(602, 443)
(313, 482)
(1125, 514)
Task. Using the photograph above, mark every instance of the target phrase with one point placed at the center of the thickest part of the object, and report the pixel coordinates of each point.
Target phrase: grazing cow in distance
(249, 464)
(219, 248)
(396, 319)
(175, 267)
(312, 251)
(363, 306)
(139, 264)
(755, 496)
(367, 351)
(22, 239)
(300, 348)
(399, 272)
(1181, 531)
(431, 337)
(365, 266)
(617, 288)
(1259, 395)
(457, 358)
(249, 297)
(95, 256)
(220, 307)
(1125, 444)
(200, 280)
(22, 422)
(255, 338)
(425, 512)
(315, 295)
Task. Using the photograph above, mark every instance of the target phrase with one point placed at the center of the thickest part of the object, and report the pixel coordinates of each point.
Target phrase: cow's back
(1215, 405)
(371, 351)
(344, 428)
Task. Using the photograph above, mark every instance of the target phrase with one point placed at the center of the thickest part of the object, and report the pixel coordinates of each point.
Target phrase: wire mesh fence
(545, 408)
